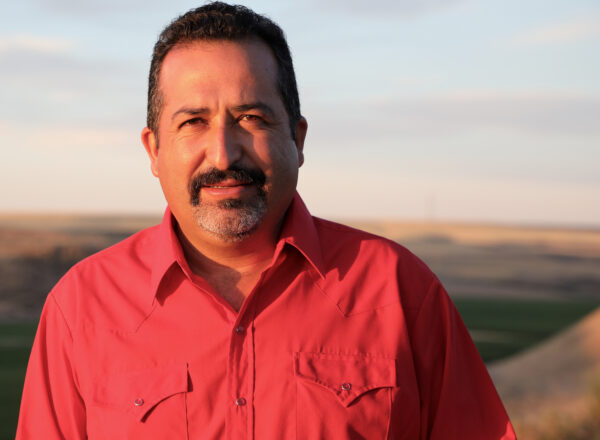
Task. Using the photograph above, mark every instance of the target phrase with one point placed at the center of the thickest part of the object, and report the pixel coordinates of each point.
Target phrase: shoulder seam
(434, 282)
(62, 314)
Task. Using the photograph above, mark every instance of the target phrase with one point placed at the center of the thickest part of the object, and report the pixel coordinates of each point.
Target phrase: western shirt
(346, 335)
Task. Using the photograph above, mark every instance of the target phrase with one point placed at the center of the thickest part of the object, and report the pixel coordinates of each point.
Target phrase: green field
(505, 326)
(15, 343)
(502, 327)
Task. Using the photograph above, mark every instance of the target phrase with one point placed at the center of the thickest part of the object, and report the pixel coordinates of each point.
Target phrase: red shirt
(346, 335)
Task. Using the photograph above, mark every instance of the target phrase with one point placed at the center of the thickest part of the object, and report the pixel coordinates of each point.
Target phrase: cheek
(179, 161)
(174, 174)
(286, 160)
(283, 174)
(278, 154)
(183, 151)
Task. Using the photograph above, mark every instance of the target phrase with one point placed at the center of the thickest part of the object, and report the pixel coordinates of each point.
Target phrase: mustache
(212, 176)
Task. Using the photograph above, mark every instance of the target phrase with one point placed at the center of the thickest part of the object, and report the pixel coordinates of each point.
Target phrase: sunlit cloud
(568, 31)
(35, 43)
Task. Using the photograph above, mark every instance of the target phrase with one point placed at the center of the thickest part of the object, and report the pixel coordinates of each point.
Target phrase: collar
(298, 230)
(167, 251)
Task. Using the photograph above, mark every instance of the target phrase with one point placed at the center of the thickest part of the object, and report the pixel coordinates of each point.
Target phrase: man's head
(220, 21)
(221, 90)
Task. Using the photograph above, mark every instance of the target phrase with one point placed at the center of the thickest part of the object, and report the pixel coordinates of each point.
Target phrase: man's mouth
(230, 183)
(227, 183)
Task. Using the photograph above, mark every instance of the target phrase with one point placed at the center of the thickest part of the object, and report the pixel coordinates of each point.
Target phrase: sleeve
(458, 399)
(51, 406)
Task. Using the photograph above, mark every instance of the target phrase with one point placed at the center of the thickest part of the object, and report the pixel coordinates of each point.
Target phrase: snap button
(346, 386)
(138, 402)
(240, 401)
(240, 329)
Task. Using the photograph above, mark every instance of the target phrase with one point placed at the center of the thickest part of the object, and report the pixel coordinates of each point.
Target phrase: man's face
(224, 154)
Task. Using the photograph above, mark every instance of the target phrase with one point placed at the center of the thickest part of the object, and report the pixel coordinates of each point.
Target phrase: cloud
(335, 191)
(577, 29)
(33, 64)
(542, 113)
(115, 7)
(538, 113)
(395, 8)
(65, 138)
(56, 86)
(96, 7)
(35, 43)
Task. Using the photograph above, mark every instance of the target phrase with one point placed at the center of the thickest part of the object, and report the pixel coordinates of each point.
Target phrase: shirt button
(138, 402)
(346, 386)
(240, 329)
(240, 401)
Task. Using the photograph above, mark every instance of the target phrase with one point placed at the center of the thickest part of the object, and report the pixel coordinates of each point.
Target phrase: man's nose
(224, 147)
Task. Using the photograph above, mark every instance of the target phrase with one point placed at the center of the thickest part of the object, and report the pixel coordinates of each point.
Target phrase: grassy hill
(552, 391)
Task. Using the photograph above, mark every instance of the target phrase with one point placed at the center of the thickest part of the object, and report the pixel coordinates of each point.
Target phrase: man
(241, 316)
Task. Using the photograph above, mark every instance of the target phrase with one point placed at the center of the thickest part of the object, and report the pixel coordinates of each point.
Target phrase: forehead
(205, 66)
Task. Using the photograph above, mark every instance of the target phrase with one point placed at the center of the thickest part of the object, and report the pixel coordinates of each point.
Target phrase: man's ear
(151, 145)
(301, 128)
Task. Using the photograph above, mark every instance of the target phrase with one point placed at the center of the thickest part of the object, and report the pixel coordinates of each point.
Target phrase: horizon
(7, 216)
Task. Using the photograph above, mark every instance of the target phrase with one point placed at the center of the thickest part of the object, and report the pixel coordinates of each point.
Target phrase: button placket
(239, 372)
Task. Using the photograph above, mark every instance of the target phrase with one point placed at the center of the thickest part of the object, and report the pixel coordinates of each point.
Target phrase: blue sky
(437, 109)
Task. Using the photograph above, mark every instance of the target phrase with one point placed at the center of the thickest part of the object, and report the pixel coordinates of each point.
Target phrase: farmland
(514, 286)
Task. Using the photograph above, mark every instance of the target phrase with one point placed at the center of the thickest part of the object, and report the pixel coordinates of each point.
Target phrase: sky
(443, 110)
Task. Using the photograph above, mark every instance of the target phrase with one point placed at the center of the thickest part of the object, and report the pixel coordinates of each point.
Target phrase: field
(15, 343)
(502, 328)
(515, 287)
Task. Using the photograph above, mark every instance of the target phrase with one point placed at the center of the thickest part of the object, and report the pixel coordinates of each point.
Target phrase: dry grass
(560, 426)
(552, 391)
(582, 242)
(37, 234)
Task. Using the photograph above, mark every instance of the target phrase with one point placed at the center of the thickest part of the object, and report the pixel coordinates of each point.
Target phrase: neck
(231, 268)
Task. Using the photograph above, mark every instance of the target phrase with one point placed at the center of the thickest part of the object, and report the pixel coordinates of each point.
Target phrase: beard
(229, 219)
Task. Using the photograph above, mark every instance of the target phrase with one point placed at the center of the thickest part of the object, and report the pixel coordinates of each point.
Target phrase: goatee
(229, 219)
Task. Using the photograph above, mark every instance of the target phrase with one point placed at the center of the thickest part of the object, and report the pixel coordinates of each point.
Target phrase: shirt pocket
(343, 396)
(147, 403)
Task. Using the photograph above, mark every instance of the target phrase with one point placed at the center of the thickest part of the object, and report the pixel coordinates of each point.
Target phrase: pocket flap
(137, 392)
(347, 376)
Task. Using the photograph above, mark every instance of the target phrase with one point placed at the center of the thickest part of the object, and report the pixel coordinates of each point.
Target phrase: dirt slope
(555, 379)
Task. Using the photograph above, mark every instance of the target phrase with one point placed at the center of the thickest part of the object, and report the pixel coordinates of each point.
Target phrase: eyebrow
(258, 105)
(190, 111)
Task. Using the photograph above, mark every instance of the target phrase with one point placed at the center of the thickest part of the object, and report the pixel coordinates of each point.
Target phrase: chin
(230, 224)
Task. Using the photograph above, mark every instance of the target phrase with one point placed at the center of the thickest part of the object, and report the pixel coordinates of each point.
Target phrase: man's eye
(191, 121)
(251, 118)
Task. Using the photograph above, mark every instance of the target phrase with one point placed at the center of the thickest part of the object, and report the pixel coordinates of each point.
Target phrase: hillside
(482, 260)
(557, 384)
